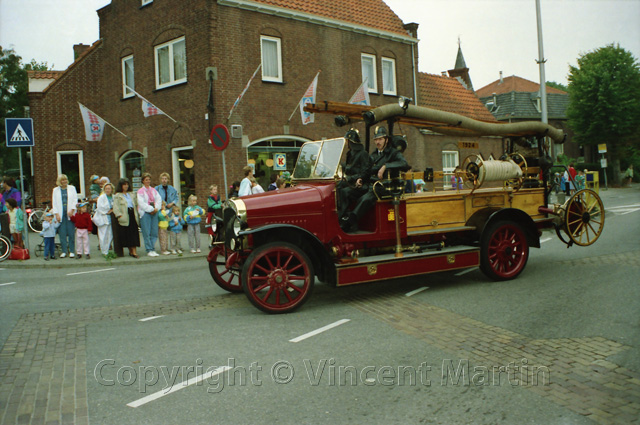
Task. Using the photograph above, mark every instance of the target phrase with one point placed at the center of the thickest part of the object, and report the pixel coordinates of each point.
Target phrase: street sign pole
(25, 219)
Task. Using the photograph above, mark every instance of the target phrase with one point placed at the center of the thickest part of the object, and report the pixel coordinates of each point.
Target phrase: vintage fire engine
(272, 246)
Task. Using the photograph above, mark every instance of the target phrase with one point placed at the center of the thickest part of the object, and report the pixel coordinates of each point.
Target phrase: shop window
(171, 63)
(71, 163)
(184, 176)
(270, 48)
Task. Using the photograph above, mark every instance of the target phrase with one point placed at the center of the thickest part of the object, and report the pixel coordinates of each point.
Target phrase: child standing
(175, 223)
(192, 216)
(16, 221)
(49, 226)
(82, 220)
(214, 207)
(163, 225)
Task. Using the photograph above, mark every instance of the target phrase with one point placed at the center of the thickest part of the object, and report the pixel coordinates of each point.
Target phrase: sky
(495, 35)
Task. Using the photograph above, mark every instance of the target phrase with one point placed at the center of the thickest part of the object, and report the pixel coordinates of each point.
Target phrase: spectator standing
(64, 200)
(163, 226)
(233, 189)
(102, 218)
(272, 185)
(49, 226)
(167, 192)
(11, 190)
(214, 207)
(16, 221)
(83, 223)
(193, 216)
(175, 230)
(125, 220)
(627, 178)
(149, 203)
(255, 187)
(245, 184)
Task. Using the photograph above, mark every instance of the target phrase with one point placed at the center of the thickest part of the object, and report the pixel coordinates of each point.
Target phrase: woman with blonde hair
(63, 204)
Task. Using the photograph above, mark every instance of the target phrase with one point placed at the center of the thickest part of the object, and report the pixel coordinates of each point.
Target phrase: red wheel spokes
(506, 251)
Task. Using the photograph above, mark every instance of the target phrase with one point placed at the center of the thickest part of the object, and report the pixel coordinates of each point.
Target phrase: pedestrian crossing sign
(19, 132)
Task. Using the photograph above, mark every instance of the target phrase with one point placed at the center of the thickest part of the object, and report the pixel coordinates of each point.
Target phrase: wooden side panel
(396, 268)
(431, 212)
(529, 200)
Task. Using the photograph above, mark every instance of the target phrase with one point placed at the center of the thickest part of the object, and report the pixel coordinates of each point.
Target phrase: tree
(604, 105)
(14, 85)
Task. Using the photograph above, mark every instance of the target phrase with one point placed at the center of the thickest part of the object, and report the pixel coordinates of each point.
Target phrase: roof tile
(448, 94)
(368, 13)
(513, 83)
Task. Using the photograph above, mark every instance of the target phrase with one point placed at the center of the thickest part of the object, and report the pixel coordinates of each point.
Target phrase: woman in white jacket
(64, 200)
(102, 217)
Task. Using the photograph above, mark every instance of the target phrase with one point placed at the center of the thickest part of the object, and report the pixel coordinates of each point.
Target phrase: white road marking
(10, 283)
(624, 209)
(466, 271)
(150, 318)
(90, 271)
(317, 331)
(545, 240)
(416, 291)
(174, 388)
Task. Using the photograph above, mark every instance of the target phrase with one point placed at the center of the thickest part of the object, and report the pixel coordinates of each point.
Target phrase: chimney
(501, 80)
(412, 29)
(79, 49)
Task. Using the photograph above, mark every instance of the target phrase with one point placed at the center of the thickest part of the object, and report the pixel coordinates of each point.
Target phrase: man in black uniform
(357, 171)
(385, 160)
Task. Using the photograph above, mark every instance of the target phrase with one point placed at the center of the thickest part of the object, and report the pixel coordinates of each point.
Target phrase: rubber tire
(5, 247)
(254, 270)
(503, 243)
(34, 220)
(229, 285)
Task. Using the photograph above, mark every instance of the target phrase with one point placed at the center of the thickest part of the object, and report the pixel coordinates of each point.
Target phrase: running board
(387, 266)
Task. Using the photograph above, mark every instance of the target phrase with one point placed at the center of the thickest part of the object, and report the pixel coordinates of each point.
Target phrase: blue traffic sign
(19, 132)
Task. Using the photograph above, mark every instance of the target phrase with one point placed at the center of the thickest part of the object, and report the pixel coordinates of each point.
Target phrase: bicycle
(39, 249)
(36, 216)
(5, 247)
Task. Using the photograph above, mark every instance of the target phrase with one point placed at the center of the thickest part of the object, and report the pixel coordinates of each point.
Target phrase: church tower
(460, 70)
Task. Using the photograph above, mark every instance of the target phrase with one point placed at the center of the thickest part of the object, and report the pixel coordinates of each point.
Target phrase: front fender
(481, 219)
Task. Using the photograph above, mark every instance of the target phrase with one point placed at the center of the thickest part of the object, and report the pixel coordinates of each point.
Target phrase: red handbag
(19, 254)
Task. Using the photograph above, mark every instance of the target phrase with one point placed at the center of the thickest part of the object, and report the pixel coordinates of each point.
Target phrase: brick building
(165, 51)
(193, 62)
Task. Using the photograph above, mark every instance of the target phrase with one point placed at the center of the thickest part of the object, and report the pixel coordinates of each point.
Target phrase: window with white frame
(71, 163)
(389, 76)
(369, 72)
(171, 63)
(270, 48)
(450, 160)
(128, 82)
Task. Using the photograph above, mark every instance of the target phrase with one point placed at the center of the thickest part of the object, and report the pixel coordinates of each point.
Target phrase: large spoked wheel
(277, 277)
(227, 279)
(504, 250)
(5, 248)
(35, 220)
(584, 217)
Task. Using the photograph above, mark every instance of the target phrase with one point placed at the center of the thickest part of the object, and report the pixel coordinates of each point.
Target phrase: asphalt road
(150, 343)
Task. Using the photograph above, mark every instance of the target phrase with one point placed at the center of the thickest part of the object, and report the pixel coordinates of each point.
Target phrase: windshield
(319, 160)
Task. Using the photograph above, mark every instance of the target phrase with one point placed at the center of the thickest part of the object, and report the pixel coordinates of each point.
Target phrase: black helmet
(380, 132)
(353, 136)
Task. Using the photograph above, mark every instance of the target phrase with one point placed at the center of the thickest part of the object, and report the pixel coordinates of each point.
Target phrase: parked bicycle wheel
(35, 220)
(5, 247)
